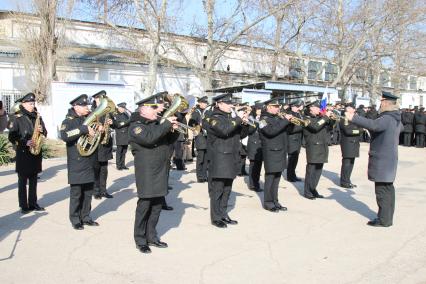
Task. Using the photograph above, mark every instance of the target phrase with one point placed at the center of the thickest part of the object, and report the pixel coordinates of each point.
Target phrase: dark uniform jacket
(197, 117)
(121, 126)
(383, 154)
(274, 142)
(223, 140)
(254, 144)
(295, 134)
(372, 114)
(420, 122)
(150, 142)
(80, 169)
(21, 128)
(407, 119)
(349, 140)
(316, 137)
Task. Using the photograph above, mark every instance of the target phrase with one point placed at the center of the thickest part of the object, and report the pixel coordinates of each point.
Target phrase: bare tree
(220, 33)
(40, 46)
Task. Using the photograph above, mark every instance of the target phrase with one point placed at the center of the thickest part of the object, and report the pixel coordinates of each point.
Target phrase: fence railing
(9, 97)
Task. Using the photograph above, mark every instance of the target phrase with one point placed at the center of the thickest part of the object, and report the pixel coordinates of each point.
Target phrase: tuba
(86, 144)
(178, 103)
(37, 137)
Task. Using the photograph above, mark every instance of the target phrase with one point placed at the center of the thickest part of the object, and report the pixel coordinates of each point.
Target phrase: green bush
(46, 151)
(5, 154)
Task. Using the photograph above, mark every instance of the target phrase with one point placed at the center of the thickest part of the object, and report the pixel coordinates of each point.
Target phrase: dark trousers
(420, 140)
(80, 202)
(148, 212)
(243, 165)
(22, 190)
(346, 170)
(120, 156)
(293, 158)
(219, 192)
(407, 138)
(313, 174)
(272, 181)
(254, 173)
(178, 158)
(385, 197)
(101, 175)
(201, 166)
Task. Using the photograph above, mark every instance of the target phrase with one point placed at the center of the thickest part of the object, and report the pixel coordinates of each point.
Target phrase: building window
(296, 70)
(403, 83)
(413, 83)
(314, 70)
(330, 72)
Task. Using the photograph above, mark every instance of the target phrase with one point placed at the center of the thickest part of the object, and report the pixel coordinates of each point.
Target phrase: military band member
(150, 142)
(383, 155)
(254, 151)
(420, 127)
(121, 126)
(223, 138)
(201, 139)
(81, 173)
(103, 153)
(349, 144)
(21, 129)
(408, 121)
(274, 150)
(316, 135)
(295, 134)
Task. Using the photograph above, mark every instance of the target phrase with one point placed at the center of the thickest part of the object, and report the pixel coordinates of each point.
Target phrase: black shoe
(281, 208)
(346, 185)
(201, 180)
(319, 196)
(166, 207)
(78, 226)
(169, 187)
(230, 221)
(158, 244)
(258, 189)
(97, 196)
(353, 185)
(376, 223)
(37, 208)
(219, 224)
(124, 168)
(310, 197)
(294, 179)
(107, 195)
(274, 209)
(119, 168)
(143, 248)
(25, 210)
(91, 223)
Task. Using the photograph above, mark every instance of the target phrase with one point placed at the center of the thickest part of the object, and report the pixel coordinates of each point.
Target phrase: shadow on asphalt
(345, 198)
(332, 176)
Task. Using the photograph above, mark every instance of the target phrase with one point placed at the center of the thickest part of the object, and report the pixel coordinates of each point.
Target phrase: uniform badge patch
(234, 123)
(121, 123)
(355, 131)
(10, 125)
(321, 122)
(137, 130)
(213, 122)
(63, 126)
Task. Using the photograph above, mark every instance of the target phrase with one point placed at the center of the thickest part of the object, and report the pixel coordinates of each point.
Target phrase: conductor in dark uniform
(383, 155)
(150, 141)
(254, 150)
(21, 129)
(81, 173)
(201, 139)
(349, 144)
(121, 126)
(295, 135)
(274, 150)
(223, 137)
(316, 135)
(103, 153)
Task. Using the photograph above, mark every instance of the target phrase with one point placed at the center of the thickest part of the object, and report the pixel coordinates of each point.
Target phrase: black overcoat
(317, 136)
(349, 139)
(121, 126)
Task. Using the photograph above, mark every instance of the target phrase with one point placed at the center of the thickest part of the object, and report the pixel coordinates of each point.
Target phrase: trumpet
(262, 123)
(300, 122)
(335, 115)
(235, 111)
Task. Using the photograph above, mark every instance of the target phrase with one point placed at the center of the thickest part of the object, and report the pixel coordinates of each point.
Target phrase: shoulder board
(69, 117)
(18, 115)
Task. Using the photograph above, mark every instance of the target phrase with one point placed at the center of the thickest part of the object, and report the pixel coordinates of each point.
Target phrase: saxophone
(37, 137)
(86, 144)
